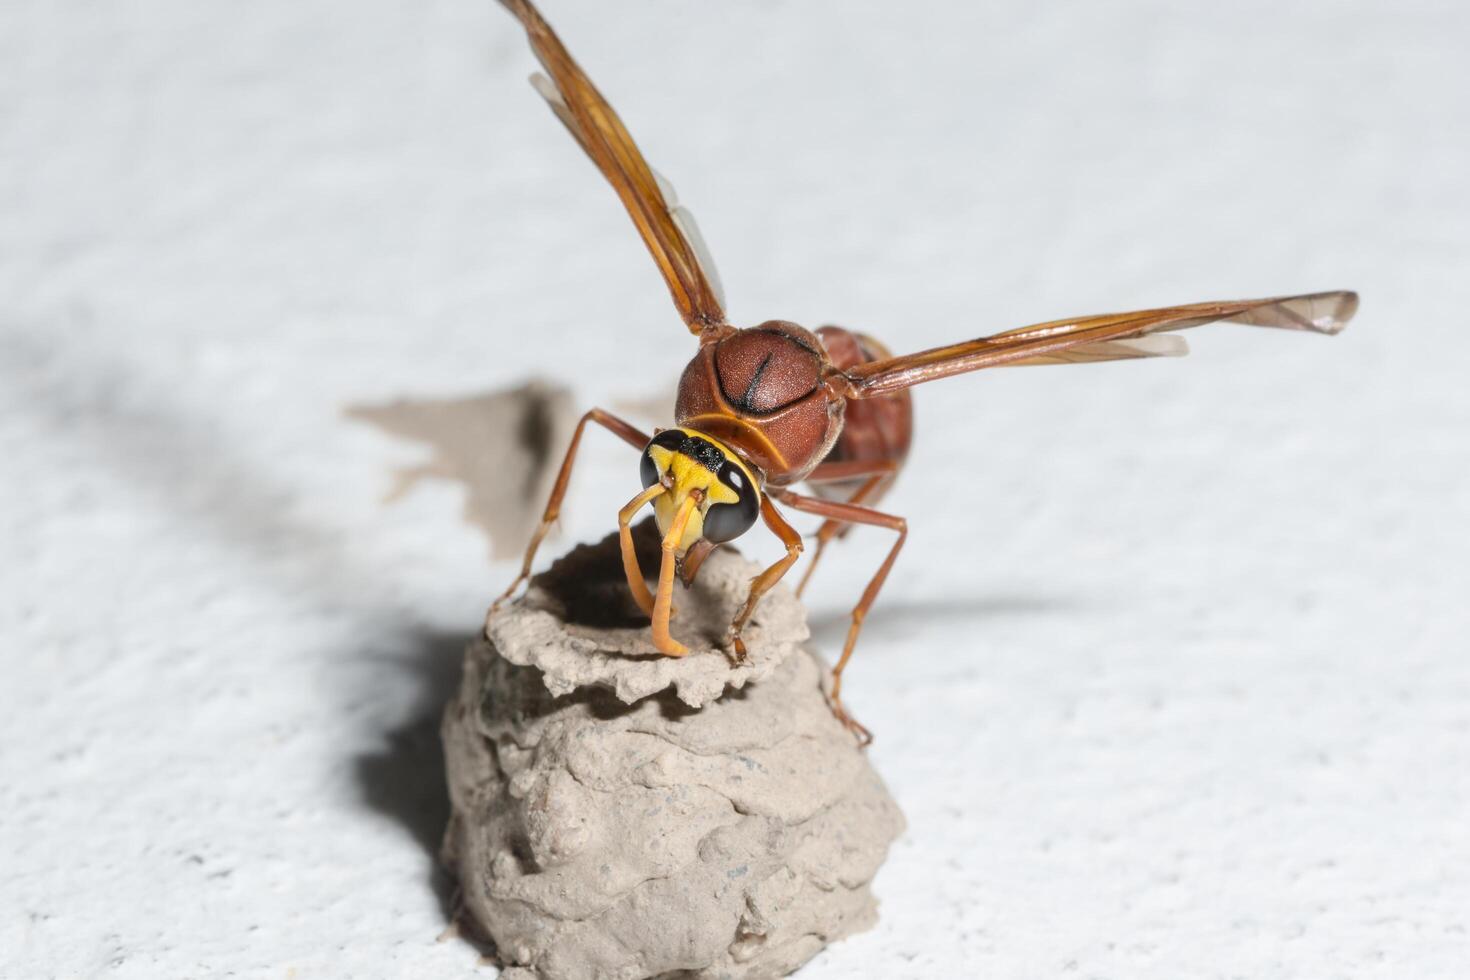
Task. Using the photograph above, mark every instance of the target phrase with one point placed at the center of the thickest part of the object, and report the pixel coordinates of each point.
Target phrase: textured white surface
(1174, 676)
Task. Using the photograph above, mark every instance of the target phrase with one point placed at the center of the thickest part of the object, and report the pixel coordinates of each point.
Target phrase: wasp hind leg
(853, 514)
(880, 475)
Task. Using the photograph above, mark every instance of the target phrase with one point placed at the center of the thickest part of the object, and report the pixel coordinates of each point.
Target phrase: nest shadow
(404, 780)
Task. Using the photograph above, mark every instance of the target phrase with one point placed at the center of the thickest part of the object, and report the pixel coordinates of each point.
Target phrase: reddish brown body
(762, 391)
(767, 392)
(876, 429)
(769, 406)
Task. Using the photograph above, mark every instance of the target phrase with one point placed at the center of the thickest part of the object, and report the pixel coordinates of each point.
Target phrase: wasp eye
(648, 469)
(726, 522)
(671, 440)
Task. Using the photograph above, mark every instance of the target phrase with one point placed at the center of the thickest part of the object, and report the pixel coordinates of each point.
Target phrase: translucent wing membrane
(667, 229)
(1111, 350)
(684, 219)
(1111, 336)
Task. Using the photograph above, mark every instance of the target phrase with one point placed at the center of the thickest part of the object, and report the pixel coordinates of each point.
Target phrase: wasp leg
(880, 475)
(764, 582)
(623, 430)
(663, 604)
(634, 574)
(853, 514)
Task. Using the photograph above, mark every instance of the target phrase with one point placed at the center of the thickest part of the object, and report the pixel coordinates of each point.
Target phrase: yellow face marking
(688, 474)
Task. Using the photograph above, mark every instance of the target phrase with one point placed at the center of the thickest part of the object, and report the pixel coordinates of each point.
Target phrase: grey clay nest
(618, 815)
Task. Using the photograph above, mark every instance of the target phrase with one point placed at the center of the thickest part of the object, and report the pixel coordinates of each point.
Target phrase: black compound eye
(726, 522)
(648, 469)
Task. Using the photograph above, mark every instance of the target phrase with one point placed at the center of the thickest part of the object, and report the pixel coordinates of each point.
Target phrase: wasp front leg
(629, 434)
(767, 579)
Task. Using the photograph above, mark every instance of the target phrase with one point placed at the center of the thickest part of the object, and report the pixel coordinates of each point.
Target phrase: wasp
(761, 409)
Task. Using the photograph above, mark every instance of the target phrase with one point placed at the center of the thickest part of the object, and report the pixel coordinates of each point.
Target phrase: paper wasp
(763, 408)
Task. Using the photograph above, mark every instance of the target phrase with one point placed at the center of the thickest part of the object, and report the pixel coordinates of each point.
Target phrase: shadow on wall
(136, 425)
(829, 625)
(404, 780)
(503, 447)
(500, 445)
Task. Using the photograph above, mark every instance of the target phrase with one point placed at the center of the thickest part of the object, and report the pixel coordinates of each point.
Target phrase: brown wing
(1111, 336)
(667, 229)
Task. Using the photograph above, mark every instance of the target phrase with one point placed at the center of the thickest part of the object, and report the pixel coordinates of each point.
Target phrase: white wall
(1173, 677)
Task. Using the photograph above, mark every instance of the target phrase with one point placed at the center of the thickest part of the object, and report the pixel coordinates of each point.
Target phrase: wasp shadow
(829, 624)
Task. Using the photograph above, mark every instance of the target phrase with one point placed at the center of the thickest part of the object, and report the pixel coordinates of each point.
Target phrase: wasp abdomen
(875, 429)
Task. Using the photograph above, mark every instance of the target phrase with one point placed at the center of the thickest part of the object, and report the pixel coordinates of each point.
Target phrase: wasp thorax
(761, 390)
(690, 464)
(767, 368)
